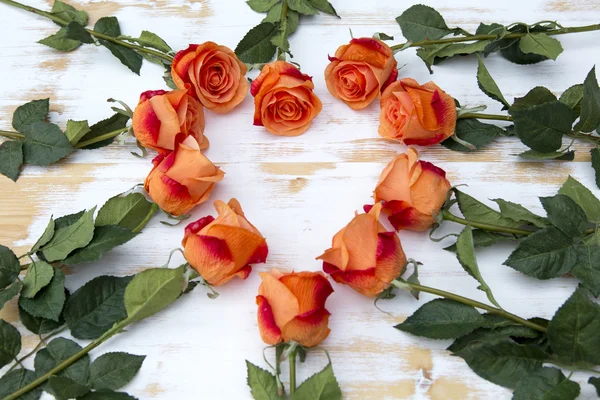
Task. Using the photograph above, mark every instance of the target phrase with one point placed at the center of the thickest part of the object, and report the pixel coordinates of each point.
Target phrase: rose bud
(182, 179)
(419, 115)
(284, 102)
(291, 306)
(412, 191)
(214, 74)
(160, 116)
(364, 256)
(360, 71)
(219, 249)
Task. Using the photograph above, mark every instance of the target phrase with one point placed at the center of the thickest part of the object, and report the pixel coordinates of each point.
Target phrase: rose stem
(561, 31)
(283, 19)
(402, 284)
(495, 117)
(66, 363)
(448, 216)
(37, 347)
(98, 35)
(109, 135)
(292, 360)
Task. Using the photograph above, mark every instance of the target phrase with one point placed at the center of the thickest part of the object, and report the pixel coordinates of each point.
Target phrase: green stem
(448, 216)
(585, 137)
(37, 347)
(495, 117)
(100, 138)
(561, 31)
(402, 284)
(292, 360)
(98, 35)
(66, 363)
(12, 135)
(283, 18)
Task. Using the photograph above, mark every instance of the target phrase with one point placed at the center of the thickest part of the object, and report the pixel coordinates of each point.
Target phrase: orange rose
(214, 72)
(160, 116)
(182, 179)
(420, 115)
(360, 71)
(291, 306)
(411, 191)
(284, 102)
(364, 256)
(222, 248)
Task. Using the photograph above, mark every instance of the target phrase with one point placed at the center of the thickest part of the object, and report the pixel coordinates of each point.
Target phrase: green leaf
(483, 238)
(261, 5)
(116, 122)
(324, 6)
(44, 144)
(9, 267)
(442, 319)
(536, 96)
(518, 213)
(502, 362)
(476, 211)
(69, 13)
(152, 290)
(65, 388)
(541, 44)
(565, 214)
(542, 126)
(132, 211)
(96, 306)
(590, 104)
(595, 153)
(596, 383)
(128, 57)
(488, 85)
(320, 386)
(108, 26)
(49, 301)
(491, 335)
(421, 22)
(57, 351)
(114, 370)
(546, 384)
(11, 159)
(29, 113)
(46, 236)
(67, 220)
(587, 267)
(583, 197)
(382, 36)
(15, 380)
(150, 39)
(435, 54)
(10, 343)
(74, 31)
(70, 238)
(105, 238)
(106, 394)
(262, 383)
(555, 155)
(573, 331)
(572, 97)
(39, 275)
(465, 253)
(9, 293)
(511, 49)
(60, 42)
(302, 6)
(76, 130)
(256, 46)
(39, 325)
(472, 131)
(545, 254)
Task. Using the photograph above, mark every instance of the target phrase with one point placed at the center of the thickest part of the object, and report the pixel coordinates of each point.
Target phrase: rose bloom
(222, 248)
(284, 102)
(411, 191)
(160, 116)
(214, 73)
(291, 306)
(182, 179)
(360, 71)
(364, 256)
(415, 114)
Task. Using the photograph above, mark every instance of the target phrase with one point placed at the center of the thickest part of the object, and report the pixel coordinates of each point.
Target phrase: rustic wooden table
(299, 191)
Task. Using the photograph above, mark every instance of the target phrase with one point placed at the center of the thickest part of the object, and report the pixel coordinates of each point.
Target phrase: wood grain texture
(297, 191)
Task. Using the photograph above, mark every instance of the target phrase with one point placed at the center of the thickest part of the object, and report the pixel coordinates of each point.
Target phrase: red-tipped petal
(269, 331)
(308, 329)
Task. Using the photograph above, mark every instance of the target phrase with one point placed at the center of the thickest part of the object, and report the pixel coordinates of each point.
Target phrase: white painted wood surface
(297, 191)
